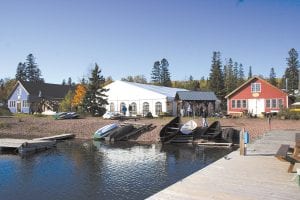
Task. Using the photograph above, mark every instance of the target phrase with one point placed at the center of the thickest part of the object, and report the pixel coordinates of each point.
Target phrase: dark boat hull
(170, 130)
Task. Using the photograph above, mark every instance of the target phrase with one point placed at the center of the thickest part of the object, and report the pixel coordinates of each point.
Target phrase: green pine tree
(155, 75)
(272, 77)
(95, 99)
(229, 80)
(250, 72)
(165, 74)
(216, 81)
(33, 73)
(21, 72)
(241, 76)
(292, 71)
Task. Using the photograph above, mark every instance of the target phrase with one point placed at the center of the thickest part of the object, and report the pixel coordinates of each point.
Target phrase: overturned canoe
(104, 131)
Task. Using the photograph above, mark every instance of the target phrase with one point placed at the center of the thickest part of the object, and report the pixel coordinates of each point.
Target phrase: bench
(289, 154)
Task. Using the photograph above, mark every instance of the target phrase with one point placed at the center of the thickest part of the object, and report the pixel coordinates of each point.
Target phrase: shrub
(4, 111)
(287, 114)
(149, 115)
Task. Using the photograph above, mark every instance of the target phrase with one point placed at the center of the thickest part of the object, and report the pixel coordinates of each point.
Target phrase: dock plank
(57, 137)
(238, 177)
(12, 143)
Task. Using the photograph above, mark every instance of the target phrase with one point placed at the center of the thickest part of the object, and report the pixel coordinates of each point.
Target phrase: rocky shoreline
(30, 126)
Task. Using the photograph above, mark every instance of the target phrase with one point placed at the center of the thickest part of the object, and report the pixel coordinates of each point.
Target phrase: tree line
(222, 79)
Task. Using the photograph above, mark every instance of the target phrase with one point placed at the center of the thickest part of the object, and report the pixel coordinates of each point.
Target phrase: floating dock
(58, 137)
(23, 146)
(258, 175)
(215, 144)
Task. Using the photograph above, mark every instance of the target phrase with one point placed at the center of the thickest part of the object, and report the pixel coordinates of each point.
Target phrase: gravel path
(30, 126)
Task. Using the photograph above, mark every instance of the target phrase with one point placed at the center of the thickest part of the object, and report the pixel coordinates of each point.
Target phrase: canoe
(120, 132)
(213, 131)
(170, 130)
(188, 127)
(104, 131)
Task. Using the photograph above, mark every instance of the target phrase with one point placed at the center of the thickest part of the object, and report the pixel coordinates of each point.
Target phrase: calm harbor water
(85, 169)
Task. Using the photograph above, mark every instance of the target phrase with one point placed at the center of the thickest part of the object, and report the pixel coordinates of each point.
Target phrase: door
(256, 106)
(18, 106)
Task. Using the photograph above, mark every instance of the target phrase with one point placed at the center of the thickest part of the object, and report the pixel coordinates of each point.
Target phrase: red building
(256, 96)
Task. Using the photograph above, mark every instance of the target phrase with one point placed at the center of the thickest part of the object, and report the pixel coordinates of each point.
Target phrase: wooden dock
(215, 144)
(58, 137)
(23, 146)
(259, 176)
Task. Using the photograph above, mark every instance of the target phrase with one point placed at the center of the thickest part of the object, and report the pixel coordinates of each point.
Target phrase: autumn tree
(6, 86)
(66, 104)
(77, 100)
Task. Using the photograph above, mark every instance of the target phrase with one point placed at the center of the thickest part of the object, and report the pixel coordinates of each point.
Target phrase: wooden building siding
(267, 99)
(18, 101)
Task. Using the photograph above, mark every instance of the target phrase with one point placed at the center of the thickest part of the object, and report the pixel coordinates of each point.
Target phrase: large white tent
(141, 98)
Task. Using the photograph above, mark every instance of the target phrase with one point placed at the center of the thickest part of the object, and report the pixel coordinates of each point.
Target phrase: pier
(23, 146)
(259, 175)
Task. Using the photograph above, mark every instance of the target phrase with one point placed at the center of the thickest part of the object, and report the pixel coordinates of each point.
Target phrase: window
(280, 103)
(244, 103)
(112, 107)
(255, 87)
(274, 103)
(158, 108)
(268, 103)
(238, 103)
(133, 107)
(145, 108)
(121, 107)
(25, 104)
(233, 103)
(12, 104)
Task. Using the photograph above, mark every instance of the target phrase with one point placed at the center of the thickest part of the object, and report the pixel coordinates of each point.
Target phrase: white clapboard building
(141, 98)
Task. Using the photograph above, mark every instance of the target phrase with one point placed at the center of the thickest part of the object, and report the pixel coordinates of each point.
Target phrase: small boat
(188, 127)
(71, 115)
(104, 131)
(170, 130)
(213, 131)
(66, 115)
(120, 132)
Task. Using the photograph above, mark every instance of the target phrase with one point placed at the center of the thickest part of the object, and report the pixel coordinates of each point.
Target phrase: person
(124, 109)
(130, 110)
(189, 110)
(204, 115)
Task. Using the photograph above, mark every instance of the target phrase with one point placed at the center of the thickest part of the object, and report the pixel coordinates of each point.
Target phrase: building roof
(167, 91)
(196, 96)
(44, 90)
(249, 81)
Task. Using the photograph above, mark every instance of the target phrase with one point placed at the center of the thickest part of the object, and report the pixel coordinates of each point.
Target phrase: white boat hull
(188, 127)
(104, 131)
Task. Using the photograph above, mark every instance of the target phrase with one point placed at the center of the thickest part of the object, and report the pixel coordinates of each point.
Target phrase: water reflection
(84, 169)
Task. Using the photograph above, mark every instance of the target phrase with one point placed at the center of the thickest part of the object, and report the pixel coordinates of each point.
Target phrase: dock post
(242, 142)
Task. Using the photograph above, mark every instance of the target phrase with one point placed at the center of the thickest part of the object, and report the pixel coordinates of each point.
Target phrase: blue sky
(125, 37)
